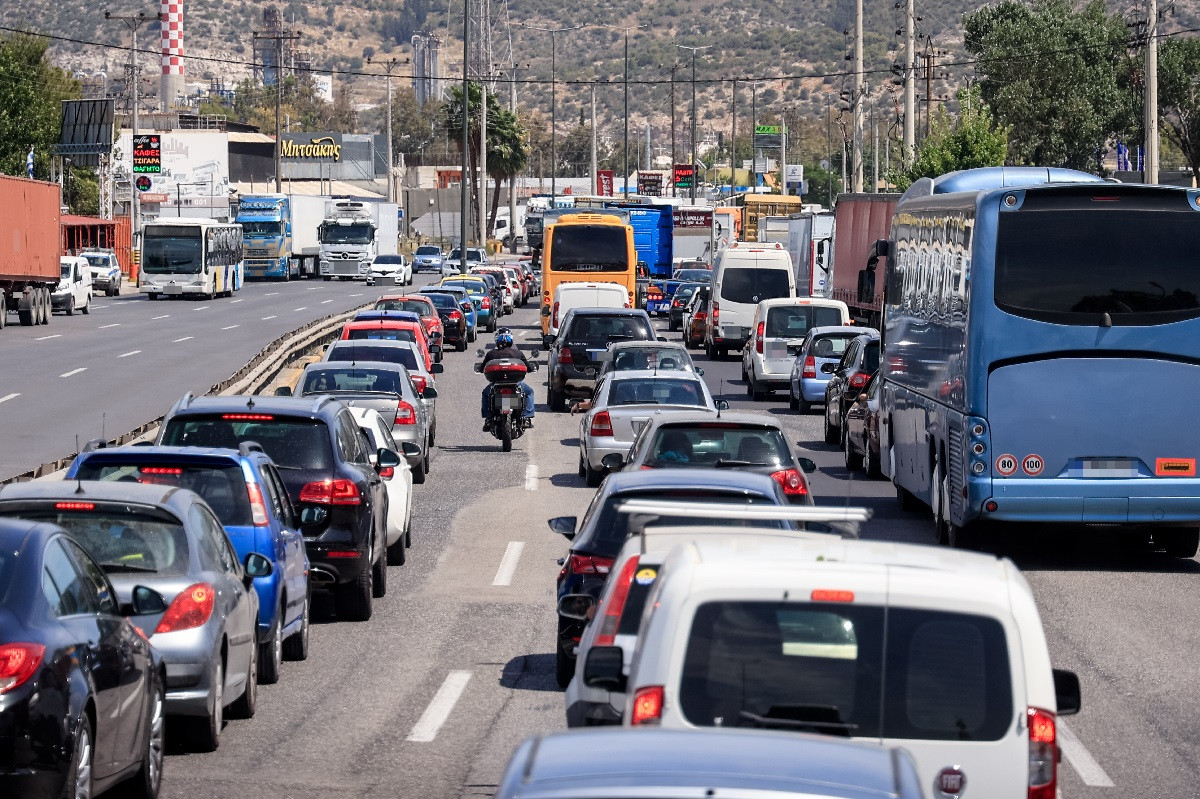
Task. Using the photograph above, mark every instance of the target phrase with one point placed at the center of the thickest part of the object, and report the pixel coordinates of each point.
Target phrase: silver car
(815, 361)
(427, 257)
(205, 609)
(623, 403)
(653, 355)
(392, 352)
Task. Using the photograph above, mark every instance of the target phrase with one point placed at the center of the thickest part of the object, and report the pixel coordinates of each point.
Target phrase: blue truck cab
(266, 221)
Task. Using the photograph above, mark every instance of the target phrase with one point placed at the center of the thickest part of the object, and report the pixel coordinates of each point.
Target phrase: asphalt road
(431, 695)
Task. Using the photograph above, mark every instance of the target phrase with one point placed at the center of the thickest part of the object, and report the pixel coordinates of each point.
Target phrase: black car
(454, 321)
(325, 460)
(583, 337)
(81, 689)
(847, 380)
(679, 301)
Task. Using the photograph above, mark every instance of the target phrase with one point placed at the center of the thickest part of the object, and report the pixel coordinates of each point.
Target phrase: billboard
(193, 171)
(650, 184)
(604, 182)
(768, 136)
(87, 131)
(684, 174)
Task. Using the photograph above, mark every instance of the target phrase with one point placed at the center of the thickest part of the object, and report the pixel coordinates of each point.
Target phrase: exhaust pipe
(321, 576)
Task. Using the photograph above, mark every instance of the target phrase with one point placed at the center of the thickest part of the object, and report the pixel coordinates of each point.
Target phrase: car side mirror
(144, 602)
(576, 606)
(257, 566)
(387, 458)
(429, 392)
(700, 371)
(437, 369)
(564, 525)
(535, 353)
(479, 353)
(612, 461)
(722, 405)
(828, 368)
(1066, 692)
(409, 449)
(545, 310)
(283, 391)
(604, 668)
(807, 465)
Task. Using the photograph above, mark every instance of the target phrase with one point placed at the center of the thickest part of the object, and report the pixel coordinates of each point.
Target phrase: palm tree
(508, 153)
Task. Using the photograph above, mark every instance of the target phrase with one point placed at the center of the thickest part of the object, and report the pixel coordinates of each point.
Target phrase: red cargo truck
(861, 220)
(29, 248)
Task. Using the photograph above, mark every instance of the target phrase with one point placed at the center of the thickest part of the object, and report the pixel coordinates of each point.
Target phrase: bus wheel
(1180, 542)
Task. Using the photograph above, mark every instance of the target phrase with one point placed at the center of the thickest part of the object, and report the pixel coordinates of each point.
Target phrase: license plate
(172, 289)
(510, 403)
(1107, 467)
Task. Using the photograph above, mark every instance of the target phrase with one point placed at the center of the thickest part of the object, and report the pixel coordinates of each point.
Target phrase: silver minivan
(777, 332)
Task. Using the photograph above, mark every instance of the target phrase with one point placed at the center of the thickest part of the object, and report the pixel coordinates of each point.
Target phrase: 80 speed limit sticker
(1006, 465)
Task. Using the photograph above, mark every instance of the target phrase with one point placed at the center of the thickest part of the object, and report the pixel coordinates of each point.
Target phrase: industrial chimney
(171, 15)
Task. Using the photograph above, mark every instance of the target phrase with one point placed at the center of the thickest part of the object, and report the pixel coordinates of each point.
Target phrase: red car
(418, 304)
(393, 329)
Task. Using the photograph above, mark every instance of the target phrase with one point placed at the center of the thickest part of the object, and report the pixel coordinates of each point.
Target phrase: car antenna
(79, 485)
(721, 388)
(250, 403)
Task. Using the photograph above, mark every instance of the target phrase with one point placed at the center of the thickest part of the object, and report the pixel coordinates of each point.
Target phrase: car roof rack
(845, 522)
(321, 400)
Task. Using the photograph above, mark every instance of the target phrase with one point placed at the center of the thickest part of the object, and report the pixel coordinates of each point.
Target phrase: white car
(106, 271)
(397, 480)
(452, 265)
(390, 268)
(939, 652)
(74, 290)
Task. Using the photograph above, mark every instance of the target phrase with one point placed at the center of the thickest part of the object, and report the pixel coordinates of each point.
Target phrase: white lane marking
(43, 338)
(74, 372)
(229, 327)
(426, 728)
(533, 334)
(99, 307)
(531, 478)
(164, 316)
(314, 288)
(231, 302)
(265, 318)
(201, 308)
(356, 295)
(270, 293)
(114, 324)
(508, 563)
(127, 354)
(326, 302)
(1081, 759)
(7, 397)
(185, 338)
(301, 308)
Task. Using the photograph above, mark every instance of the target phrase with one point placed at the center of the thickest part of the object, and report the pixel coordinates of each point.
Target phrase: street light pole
(553, 99)
(463, 190)
(695, 170)
(133, 22)
(389, 65)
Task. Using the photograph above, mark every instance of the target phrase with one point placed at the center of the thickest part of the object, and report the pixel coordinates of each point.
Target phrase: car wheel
(582, 471)
(379, 578)
(408, 531)
(295, 646)
(593, 477)
(853, 460)
(206, 730)
(71, 307)
(270, 654)
(871, 463)
(79, 778)
(87, 305)
(418, 472)
(793, 403)
(396, 556)
(757, 392)
(831, 432)
(461, 346)
(146, 783)
(1180, 542)
(564, 668)
(710, 351)
(353, 599)
(556, 400)
(244, 706)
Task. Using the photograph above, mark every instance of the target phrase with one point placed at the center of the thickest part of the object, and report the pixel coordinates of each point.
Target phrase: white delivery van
(74, 290)
(776, 334)
(745, 274)
(582, 295)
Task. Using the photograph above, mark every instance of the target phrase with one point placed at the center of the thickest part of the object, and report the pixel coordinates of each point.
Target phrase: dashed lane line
(74, 372)
(44, 338)
(114, 324)
(531, 477)
(301, 308)
(7, 397)
(326, 302)
(201, 308)
(127, 354)
(508, 563)
(229, 327)
(1081, 759)
(440, 707)
(164, 316)
(265, 318)
(185, 338)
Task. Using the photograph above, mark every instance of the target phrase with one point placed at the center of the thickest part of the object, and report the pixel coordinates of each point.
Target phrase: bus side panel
(905, 441)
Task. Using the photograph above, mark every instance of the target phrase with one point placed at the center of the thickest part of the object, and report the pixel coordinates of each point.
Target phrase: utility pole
(674, 159)
(733, 141)
(133, 22)
(1150, 121)
(279, 37)
(554, 96)
(483, 174)
(910, 83)
(595, 167)
(874, 155)
(857, 99)
(389, 65)
(695, 164)
(464, 186)
(512, 181)
(753, 131)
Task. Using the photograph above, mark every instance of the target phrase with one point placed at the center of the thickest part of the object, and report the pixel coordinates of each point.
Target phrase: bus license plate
(172, 289)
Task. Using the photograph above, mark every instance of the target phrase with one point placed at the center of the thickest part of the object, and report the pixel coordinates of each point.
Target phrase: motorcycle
(507, 418)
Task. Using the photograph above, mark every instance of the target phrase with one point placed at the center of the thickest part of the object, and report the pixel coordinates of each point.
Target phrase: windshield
(172, 251)
(124, 542)
(292, 442)
(261, 228)
(847, 669)
(222, 487)
(389, 259)
(358, 233)
(751, 284)
(98, 260)
(1075, 266)
(656, 391)
(64, 270)
(718, 444)
(365, 352)
(326, 379)
(795, 321)
(428, 251)
(589, 248)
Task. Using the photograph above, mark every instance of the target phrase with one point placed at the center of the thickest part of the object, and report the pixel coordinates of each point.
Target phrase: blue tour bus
(1041, 344)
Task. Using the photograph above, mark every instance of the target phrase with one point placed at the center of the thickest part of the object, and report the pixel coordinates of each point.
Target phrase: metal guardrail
(258, 372)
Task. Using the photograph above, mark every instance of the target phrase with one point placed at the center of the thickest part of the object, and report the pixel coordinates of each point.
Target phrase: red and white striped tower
(171, 15)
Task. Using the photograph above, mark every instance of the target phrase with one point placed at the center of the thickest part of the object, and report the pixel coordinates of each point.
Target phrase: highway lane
(127, 361)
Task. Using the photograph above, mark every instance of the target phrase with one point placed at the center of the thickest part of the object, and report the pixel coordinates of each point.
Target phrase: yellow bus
(587, 247)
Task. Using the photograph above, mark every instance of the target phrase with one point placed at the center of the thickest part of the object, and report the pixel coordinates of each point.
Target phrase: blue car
(815, 361)
(464, 302)
(480, 293)
(245, 490)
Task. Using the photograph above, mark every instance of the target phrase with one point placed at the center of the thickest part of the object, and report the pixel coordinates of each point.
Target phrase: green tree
(31, 95)
(1179, 96)
(972, 139)
(1057, 78)
(823, 185)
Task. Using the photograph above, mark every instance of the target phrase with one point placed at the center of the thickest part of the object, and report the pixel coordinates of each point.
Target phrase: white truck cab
(74, 290)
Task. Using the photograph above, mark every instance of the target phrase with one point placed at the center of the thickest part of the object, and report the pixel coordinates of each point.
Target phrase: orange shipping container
(81, 233)
(29, 234)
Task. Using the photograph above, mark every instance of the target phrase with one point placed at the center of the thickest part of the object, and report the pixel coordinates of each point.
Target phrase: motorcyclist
(505, 349)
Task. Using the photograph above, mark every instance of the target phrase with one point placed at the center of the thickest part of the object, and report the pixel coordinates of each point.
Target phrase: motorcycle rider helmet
(504, 338)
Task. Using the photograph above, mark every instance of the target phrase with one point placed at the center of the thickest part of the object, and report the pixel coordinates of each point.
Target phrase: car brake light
(258, 508)
(601, 425)
(387, 472)
(810, 367)
(758, 337)
(792, 481)
(700, 316)
(160, 470)
(74, 506)
(831, 595)
(455, 316)
(405, 413)
(616, 604)
(485, 304)
(554, 316)
(588, 564)
(419, 382)
(248, 417)
(647, 705)
(18, 662)
(1043, 754)
(859, 379)
(565, 356)
(331, 492)
(190, 609)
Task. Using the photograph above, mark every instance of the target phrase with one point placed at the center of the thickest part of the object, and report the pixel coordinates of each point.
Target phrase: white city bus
(192, 257)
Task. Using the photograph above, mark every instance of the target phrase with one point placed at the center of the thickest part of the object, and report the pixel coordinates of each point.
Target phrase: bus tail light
(601, 425)
(1043, 754)
(810, 367)
(758, 337)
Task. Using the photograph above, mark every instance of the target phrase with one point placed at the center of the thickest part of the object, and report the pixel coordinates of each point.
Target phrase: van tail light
(758, 337)
(554, 316)
(258, 508)
(616, 604)
(18, 662)
(601, 425)
(792, 481)
(405, 413)
(191, 608)
(1043, 754)
(810, 367)
(331, 492)
(716, 313)
(419, 382)
(565, 356)
(859, 379)
(647, 706)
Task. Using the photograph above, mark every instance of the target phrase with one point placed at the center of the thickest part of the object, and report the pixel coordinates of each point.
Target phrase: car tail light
(716, 313)
(647, 706)
(466, 306)
(387, 472)
(676, 304)
(419, 382)
(588, 564)
(601, 425)
(406, 413)
(1043, 754)
(248, 417)
(190, 609)
(565, 356)
(792, 481)
(331, 492)
(554, 316)
(758, 337)
(831, 595)
(160, 470)
(342, 553)
(859, 379)
(74, 506)
(810, 367)
(699, 316)
(258, 508)
(616, 604)
(485, 304)
(455, 316)
(18, 662)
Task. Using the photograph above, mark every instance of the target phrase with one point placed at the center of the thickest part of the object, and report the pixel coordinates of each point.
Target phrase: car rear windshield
(718, 444)
(585, 327)
(655, 391)
(365, 352)
(830, 345)
(381, 334)
(611, 529)
(223, 486)
(333, 379)
(124, 542)
(293, 442)
(589, 248)
(470, 286)
(413, 306)
(794, 321)
(642, 357)
(751, 285)
(904, 673)
(698, 275)
(443, 301)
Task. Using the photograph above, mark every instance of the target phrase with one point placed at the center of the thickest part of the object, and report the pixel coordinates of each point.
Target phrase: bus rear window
(589, 248)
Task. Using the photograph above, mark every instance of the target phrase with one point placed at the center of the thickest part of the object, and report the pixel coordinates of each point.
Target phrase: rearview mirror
(1066, 692)
(386, 458)
(722, 405)
(257, 566)
(429, 392)
(283, 391)
(807, 465)
(700, 371)
(564, 525)
(612, 461)
(144, 602)
(576, 606)
(437, 369)
(604, 668)
(409, 449)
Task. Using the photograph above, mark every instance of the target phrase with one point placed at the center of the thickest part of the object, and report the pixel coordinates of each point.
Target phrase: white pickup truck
(74, 290)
